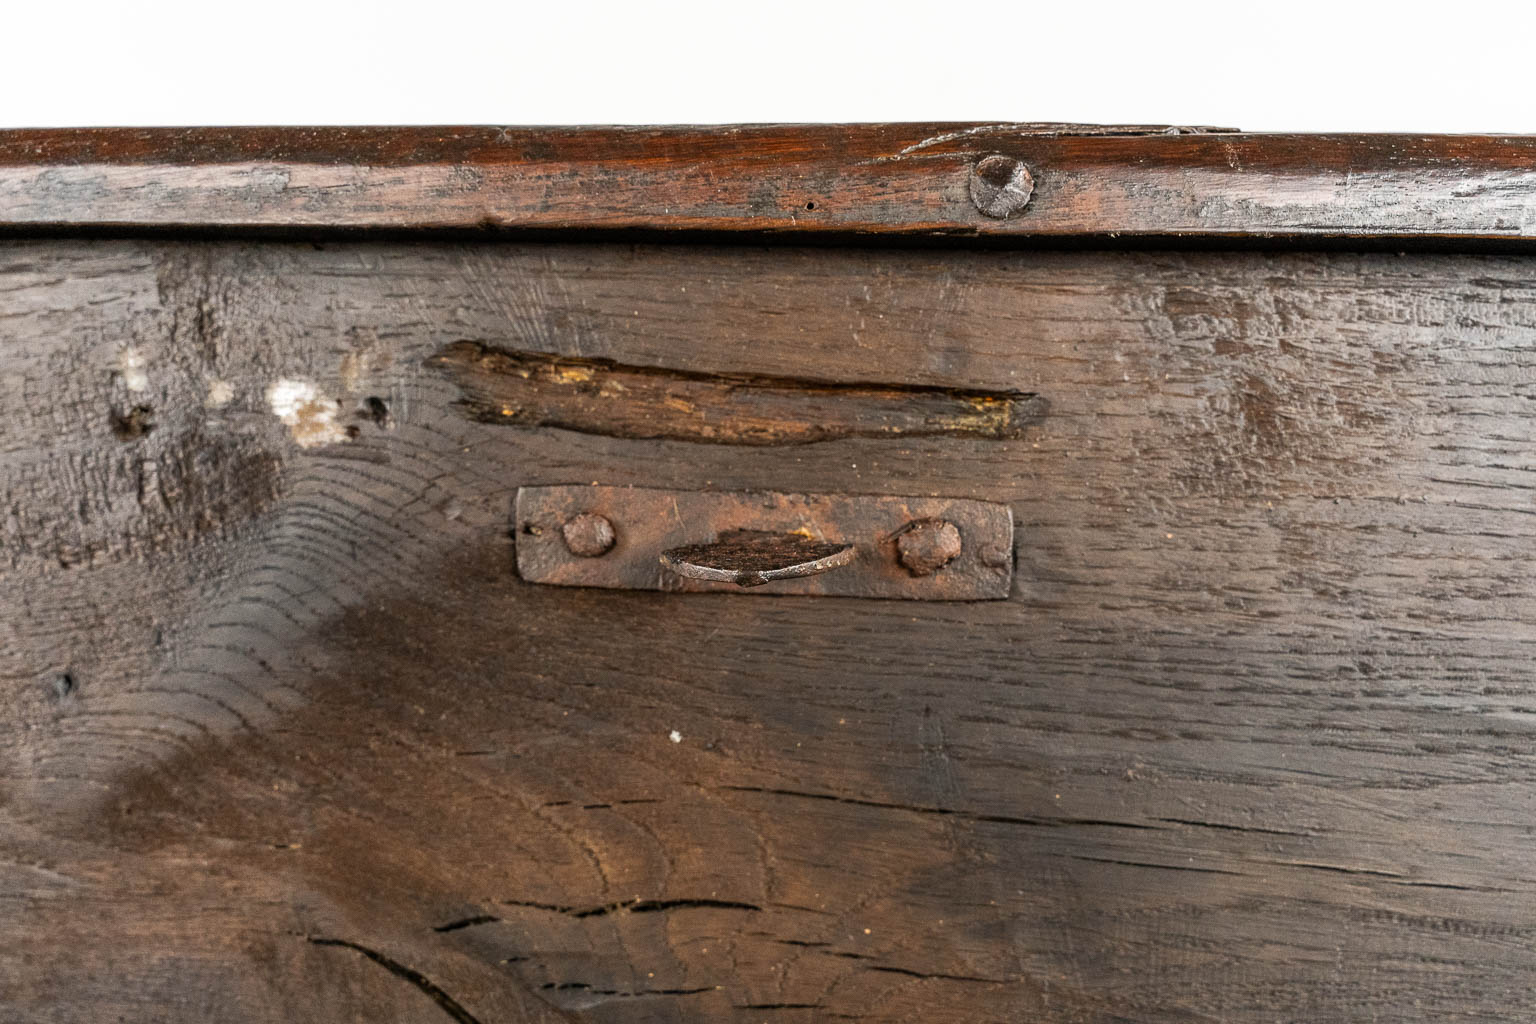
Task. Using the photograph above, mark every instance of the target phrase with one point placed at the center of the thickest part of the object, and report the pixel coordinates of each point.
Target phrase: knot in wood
(927, 546)
(1000, 185)
(588, 535)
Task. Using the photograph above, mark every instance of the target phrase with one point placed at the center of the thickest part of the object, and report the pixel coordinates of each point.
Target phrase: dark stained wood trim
(902, 179)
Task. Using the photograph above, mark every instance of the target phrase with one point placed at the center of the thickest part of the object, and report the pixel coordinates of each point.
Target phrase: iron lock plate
(634, 538)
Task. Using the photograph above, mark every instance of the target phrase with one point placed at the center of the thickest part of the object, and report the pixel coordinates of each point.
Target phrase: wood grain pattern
(836, 180)
(285, 738)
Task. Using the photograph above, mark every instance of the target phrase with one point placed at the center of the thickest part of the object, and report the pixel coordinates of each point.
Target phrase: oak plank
(1251, 740)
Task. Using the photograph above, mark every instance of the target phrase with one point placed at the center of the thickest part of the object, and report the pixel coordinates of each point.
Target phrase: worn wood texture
(537, 389)
(284, 737)
(901, 179)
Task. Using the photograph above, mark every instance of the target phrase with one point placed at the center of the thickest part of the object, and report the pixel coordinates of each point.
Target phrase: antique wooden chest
(943, 573)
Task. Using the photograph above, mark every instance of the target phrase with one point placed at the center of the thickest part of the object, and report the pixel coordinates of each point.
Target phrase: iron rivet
(588, 535)
(1000, 185)
(927, 546)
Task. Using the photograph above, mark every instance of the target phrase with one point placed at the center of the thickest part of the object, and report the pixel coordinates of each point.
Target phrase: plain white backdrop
(1297, 66)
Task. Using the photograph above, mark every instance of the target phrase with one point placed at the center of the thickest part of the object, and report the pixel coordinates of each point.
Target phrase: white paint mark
(675, 736)
(220, 392)
(309, 418)
(130, 366)
(286, 396)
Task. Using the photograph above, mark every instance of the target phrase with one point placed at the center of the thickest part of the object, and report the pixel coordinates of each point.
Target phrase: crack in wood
(1118, 862)
(1002, 819)
(626, 906)
(431, 989)
(581, 986)
(467, 922)
(934, 975)
(1194, 823)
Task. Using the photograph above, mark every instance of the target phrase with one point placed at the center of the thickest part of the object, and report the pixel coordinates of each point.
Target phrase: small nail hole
(133, 424)
(378, 411)
(64, 684)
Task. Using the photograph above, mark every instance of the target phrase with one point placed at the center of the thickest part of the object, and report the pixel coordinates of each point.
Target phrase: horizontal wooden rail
(902, 179)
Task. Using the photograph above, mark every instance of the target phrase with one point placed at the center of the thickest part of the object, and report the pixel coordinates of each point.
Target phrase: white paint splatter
(286, 396)
(309, 418)
(675, 736)
(130, 367)
(220, 392)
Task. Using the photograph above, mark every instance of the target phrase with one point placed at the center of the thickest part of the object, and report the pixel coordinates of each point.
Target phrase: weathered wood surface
(285, 738)
(536, 389)
(902, 179)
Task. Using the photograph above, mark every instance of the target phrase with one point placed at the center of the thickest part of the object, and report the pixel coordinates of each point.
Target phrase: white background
(1293, 66)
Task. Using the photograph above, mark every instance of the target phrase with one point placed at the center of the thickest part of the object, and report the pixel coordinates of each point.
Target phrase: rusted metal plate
(646, 523)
